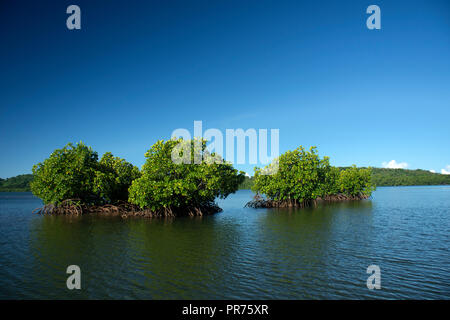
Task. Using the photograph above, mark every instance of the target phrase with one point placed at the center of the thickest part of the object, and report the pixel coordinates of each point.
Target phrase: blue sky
(138, 70)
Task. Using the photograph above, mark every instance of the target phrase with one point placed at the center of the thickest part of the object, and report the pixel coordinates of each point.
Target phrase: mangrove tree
(300, 178)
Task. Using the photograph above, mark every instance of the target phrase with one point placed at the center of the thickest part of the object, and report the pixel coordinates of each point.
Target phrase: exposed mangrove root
(260, 202)
(125, 210)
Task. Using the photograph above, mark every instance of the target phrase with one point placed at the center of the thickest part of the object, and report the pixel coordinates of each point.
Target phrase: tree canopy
(390, 177)
(114, 177)
(74, 172)
(165, 184)
(303, 177)
(164, 187)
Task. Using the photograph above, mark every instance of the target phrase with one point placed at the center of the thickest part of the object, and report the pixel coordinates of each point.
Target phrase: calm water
(319, 253)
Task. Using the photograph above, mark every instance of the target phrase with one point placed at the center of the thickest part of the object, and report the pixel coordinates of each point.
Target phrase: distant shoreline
(410, 185)
(382, 178)
(413, 185)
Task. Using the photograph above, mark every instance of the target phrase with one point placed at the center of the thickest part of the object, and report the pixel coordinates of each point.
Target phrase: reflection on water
(241, 253)
(164, 258)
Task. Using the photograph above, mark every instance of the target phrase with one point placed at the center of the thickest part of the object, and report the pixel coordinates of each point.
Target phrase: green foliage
(165, 184)
(403, 177)
(303, 176)
(67, 174)
(20, 183)
(74, 172)
(114, 177)
(392, 177)
(355, 182)
(247, 183)
(332, 183)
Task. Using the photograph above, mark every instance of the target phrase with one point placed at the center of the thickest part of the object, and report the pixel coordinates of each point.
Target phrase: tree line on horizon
(380, 176)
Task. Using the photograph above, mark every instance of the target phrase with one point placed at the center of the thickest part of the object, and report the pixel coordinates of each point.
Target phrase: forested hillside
(403, 177)
(19, 183)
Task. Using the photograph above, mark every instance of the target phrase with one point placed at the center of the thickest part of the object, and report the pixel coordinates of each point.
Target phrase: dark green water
(319, 253)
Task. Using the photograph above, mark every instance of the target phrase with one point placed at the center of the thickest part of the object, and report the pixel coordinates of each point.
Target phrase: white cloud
(432, 171)
(446, 170)
(247, 175)
(395, 165)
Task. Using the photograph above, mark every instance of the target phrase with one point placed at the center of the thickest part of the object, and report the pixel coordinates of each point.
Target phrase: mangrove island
(300, 178)
(73, 181)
